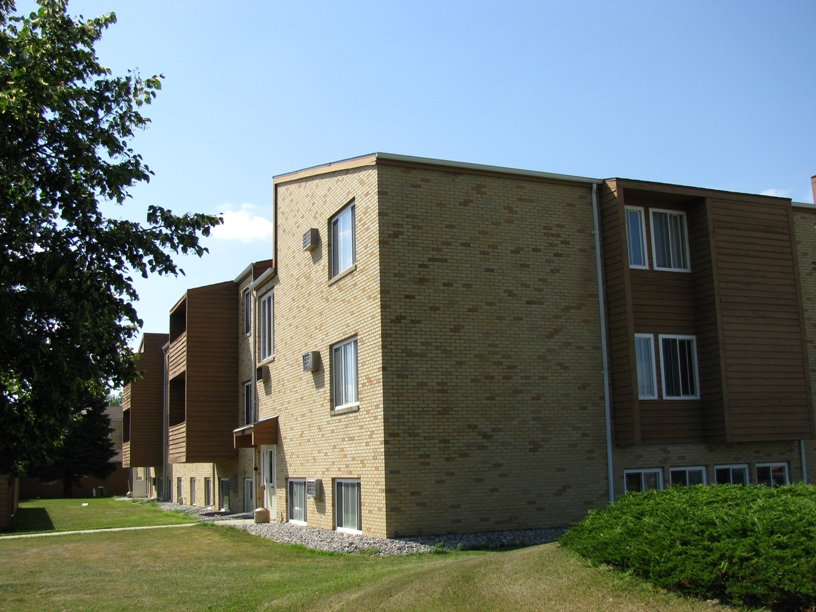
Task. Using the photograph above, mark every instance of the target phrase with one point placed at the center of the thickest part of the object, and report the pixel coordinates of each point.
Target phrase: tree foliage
(66, 293)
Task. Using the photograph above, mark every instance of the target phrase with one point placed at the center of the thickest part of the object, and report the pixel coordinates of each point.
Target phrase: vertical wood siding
(143, 399)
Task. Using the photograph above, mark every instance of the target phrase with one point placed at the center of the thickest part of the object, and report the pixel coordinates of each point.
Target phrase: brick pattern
(200, 471)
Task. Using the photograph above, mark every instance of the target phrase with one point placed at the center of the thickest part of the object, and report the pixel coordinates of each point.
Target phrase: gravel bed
(337, 541)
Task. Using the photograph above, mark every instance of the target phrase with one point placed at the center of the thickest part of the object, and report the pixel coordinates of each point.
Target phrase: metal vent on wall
(311, 361)
(310, 239)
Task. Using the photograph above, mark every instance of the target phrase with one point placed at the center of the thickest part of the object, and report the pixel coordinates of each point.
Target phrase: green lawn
(209, 567)
(43, 515)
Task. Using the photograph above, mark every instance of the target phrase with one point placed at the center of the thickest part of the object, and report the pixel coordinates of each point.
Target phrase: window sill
(346, 409)
(686, 270)
(683, 398)
(298, 523)
(346, 530)
(266, 361)
(342, 274)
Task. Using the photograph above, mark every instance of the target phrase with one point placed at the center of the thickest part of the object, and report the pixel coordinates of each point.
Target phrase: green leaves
(66, 126)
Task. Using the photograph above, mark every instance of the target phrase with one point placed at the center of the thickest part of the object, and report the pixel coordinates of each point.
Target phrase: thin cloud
(779, 193)
(244, 225)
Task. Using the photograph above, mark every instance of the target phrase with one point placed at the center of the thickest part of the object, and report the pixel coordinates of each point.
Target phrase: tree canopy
(66, 291)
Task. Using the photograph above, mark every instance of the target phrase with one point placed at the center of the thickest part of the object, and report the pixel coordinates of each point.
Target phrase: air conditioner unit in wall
(314, 488)
(311, 361)
(262, 373)
(311, 239)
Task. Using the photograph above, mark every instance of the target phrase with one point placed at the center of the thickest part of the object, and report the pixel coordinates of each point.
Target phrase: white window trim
(337, 509)
(644, 242)
(687, 468)
(262, 356)
(356, 374)
(334, 265)
(773, 464)
(247, 311)
(654, 367)
(289, 502)
(643, 471)
(660, 338)
(652, 211)
(731, 466)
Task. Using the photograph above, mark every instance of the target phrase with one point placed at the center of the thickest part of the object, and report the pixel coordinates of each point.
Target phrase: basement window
(642, 480)
(731, 474)
(772, 474)
(688, 476)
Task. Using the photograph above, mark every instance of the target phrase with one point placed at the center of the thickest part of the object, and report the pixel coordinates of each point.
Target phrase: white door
(248, 495)
(268, 474)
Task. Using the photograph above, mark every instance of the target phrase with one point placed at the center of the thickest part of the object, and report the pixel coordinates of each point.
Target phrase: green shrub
(752, 546)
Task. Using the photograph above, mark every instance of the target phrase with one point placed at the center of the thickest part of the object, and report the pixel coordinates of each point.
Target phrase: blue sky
(706, 93)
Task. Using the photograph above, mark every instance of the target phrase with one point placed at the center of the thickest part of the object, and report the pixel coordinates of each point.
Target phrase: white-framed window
(344, 374)
(678, 356)
(646, 371)
(636, 237)
(669, 240)
(772, 474)
(249, 413)
(192, 491)
(688, 476)
(247, 311)
(642, 480)
(731, 474)
(297, 501)
(266, 326)
(343, 240)
(347, 503)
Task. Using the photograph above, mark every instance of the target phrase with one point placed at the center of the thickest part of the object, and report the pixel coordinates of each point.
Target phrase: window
(297, 501)
(249, 413)
(347, 505)
(192, 491)
(688, 476)
(208, 492)
(179, 498)
(344, 247)
(678, 354)
(344, 369)
(646, 374)
(225, 494)
(636, 237)
(642, 480)
(169, 489)
(247, 311)
(772, 474)
(669, 240)
(266, 323)
(731, 474)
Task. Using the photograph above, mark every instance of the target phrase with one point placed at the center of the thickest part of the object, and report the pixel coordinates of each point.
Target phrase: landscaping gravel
(336, 541)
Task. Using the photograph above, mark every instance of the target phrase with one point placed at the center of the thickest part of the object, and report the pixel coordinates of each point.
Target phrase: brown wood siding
(177, 356)
(145, 403)
(765, 365)
(177, 443)
(126, 455)
(619, 315)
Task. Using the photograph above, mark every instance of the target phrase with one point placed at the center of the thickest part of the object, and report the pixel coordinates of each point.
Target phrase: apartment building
(447, 347)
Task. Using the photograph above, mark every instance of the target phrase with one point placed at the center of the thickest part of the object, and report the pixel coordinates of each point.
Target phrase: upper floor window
(678, 355)
(669, 240)
(343, 249)
(636, 237)
(247, 311)
(646, 374)
(266, 326)
(344, 372)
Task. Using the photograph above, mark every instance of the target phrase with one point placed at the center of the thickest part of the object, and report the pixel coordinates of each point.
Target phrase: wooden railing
(177, 441)
(178, 355)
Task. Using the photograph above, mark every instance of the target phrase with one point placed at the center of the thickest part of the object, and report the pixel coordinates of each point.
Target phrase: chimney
(813, 185)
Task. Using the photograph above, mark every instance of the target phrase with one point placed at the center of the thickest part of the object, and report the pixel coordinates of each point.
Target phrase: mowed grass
(45, 515)
(209, 567)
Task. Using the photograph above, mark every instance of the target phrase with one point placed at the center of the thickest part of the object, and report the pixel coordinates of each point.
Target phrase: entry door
(268, 478)
(248, 495)
(225, 494)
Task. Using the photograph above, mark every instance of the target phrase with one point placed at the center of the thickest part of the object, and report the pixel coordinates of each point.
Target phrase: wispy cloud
(779, 193)
(244, 224)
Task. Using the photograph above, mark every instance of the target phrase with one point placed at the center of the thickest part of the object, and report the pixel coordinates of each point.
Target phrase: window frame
(207, 491)
(642, 231)
(339, 497)
(334, 224)
(247, 296)
(179, 490)
(338, 386)
(192, 490)
(653, 362)
(685, 244)
(733, 466)
(771, 465)
(642, 472)
(666, 396)
(266, 326)
(291, 482)
(249, 409)
(688, 469)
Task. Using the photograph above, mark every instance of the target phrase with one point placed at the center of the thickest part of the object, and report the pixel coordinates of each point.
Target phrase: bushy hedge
(752, 546)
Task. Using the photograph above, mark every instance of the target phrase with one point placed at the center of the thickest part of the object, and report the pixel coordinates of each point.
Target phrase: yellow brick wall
(200, 471)
(312, 314)
(246, 459)
(492, 360)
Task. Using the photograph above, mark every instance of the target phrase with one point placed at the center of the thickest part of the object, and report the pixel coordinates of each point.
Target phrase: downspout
(601, 303)
(165, 427)
(804, 461)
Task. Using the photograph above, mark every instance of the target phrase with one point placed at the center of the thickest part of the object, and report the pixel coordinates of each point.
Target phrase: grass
(44, 515)
(208, 567)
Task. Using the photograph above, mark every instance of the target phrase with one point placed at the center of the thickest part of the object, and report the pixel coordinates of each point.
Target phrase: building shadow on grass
(32, 519)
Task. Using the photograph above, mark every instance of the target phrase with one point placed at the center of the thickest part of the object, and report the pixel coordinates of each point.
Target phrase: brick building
(440, 347)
